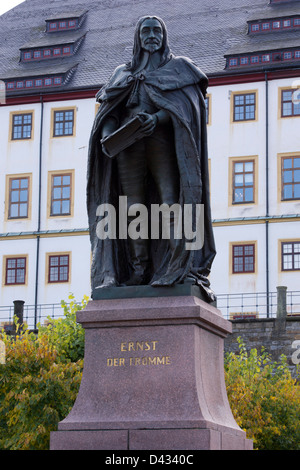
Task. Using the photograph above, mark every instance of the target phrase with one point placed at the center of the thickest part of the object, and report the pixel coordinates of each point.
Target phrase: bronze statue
(167, 164)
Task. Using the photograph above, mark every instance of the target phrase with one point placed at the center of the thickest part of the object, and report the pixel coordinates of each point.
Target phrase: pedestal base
(153, 378)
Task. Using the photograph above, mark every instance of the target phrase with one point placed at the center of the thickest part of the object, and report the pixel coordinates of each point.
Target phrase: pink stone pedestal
(153, 379)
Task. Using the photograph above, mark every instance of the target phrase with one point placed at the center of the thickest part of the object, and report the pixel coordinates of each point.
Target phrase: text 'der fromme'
(150, 358)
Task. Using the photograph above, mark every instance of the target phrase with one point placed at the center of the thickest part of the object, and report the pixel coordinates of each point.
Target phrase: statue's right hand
(149, 124)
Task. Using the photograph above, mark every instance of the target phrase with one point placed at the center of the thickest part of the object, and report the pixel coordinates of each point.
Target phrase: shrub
(40, 380)
(264, 398)
(65, 334)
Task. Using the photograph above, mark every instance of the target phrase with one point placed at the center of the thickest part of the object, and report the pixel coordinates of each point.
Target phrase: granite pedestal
(153, 375)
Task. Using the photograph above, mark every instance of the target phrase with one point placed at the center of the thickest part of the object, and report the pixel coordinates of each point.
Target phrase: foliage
(40, 380)
(264, 398)
(65, 334)
(41, 376)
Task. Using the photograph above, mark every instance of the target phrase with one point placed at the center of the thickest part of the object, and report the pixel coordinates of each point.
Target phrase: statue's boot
(139, 262)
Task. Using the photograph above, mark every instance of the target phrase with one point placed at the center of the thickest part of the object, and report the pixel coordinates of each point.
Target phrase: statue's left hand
(149, 124)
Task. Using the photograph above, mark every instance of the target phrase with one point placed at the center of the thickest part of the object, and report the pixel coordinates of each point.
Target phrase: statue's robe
(178, 87)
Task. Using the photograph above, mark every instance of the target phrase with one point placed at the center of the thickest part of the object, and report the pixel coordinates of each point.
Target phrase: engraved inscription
(137, 346)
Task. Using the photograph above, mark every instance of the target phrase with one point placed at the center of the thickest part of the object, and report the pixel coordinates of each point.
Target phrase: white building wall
(225, 140)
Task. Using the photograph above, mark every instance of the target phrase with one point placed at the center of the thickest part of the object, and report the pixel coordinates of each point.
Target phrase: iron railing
(233, 306)
(256, 305)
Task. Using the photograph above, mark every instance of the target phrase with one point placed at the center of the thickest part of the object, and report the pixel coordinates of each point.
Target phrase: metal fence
(32, 314)
(256, 305)
(233, 306)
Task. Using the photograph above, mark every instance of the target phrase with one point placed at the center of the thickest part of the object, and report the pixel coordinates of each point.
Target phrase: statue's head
(150, 35)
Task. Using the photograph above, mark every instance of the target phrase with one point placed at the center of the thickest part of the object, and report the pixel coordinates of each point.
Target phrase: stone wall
(278, 336)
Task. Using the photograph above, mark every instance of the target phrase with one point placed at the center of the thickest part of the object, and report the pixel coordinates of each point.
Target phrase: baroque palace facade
(55, 56)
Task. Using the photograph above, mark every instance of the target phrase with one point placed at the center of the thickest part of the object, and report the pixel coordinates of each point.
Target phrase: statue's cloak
(178, 87)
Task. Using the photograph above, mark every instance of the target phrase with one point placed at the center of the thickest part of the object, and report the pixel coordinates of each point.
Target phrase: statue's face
(151, 35)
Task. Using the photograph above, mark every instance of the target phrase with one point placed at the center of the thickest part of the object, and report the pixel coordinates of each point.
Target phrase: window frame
(8, 181)
(244, 186)
(243, 244)
(59, 255)
(6, 259)
(244, 159)
(293, 253)
(54, 113)
(12, 125)
(281, 102)
(292, 183)
(51, 176)
(233, 106)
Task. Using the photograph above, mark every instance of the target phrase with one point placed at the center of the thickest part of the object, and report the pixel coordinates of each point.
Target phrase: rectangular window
(37, 54)
(29, 83)
(290, 178)
(18, 198)
(62, 25)
(233, 62)
(56, 51)
(276, 25)
(244, 107)
(63, 123)
(15, 271)
(266, 26)
(265, 58)
(58, 268)
(66, 50)
(243, 182)
(297, 22)
(48, 81)
(290, 256)
(10, 85)
(57, 80)
(243, 258)
(297, 54)
(255, 27)
(255, 59)
(72, 23)
(286, 23)
(287, 55)
(20, 84)
(27, 55)
(47, 53)
(244, 60)
(53, 26)
(290, 102)
(21, 126)
(39, 82)
(61, 191)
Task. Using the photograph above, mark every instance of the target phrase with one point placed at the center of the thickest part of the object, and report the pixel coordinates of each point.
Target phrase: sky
(6, 5)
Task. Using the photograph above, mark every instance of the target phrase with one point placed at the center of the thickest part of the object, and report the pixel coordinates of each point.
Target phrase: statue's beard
(152, 47)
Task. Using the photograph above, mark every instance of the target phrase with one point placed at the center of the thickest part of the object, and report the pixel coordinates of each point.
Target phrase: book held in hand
(123, 137)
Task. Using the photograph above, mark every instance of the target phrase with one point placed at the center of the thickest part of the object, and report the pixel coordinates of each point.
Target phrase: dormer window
(65, 21)
(273, 24)
(265, 26)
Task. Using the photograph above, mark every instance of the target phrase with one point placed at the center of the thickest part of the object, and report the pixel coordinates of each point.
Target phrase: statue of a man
(167, 165)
